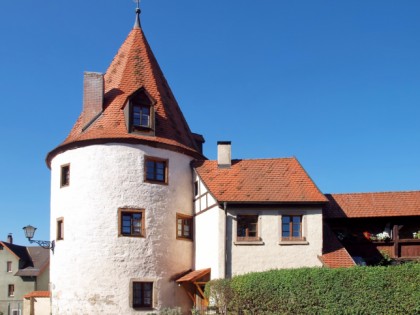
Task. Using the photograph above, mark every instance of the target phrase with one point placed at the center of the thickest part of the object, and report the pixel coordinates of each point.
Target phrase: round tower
(122, 191)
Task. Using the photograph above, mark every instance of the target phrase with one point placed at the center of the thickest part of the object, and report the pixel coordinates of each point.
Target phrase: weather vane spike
(137, 22)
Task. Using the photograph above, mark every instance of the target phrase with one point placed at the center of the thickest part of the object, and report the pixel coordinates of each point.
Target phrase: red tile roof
(370, 205)
(262, 180)
(334, 255)
(38, 294)
(132, 68)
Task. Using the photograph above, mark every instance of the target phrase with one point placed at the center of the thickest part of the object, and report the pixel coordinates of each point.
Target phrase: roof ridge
(374, 192)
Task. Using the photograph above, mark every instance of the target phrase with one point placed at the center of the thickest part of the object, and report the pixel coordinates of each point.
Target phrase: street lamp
(29, 234)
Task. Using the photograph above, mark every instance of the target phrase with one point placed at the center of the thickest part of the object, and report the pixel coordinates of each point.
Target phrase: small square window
(291, 227)
(11, 290)
(247, 228)
(9, 266)
(156, 170)
(184, 227)
(142, 294)
(60, 229)
(131, 222)
(65, 175)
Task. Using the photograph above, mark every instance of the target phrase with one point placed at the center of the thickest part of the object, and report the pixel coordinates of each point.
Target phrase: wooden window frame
(65, 175)
(131, 211)
(60, 229)
(142, 100)
(188, 218)
(9, 266)
(248, 238)
(11, 290)
(140, 127)
(156, 160)
(291, 230)
(140, 285)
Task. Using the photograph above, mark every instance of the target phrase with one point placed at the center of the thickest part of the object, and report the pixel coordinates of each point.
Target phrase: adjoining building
(24, 270)
(142, 220)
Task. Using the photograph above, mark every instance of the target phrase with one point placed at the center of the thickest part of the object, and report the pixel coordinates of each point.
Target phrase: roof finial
(138, 11)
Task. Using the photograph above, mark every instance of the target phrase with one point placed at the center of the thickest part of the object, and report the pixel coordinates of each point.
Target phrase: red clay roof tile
(334, 255)
(370, 205)
(37, 294)
(134, 67)
(262, 180)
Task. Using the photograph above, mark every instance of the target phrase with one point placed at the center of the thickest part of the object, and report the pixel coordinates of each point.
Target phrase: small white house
(261, 214)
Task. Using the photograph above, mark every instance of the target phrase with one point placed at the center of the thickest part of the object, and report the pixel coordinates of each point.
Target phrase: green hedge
(358, 290)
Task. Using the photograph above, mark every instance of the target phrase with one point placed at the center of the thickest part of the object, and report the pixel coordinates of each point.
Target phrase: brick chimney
(10, 238)
(224, 155)
(93, 97)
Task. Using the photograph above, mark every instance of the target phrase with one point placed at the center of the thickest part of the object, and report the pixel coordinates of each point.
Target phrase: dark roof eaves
(83, 143)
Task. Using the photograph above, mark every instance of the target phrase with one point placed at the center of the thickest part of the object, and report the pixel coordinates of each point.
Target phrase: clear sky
(334, 83)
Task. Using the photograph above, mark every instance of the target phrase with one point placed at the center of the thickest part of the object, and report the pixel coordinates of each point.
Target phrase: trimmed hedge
(358, 290)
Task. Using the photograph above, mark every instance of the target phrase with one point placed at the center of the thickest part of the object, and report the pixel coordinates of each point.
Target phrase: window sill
(249, 243)
(296, 242)
(184, 238)
(150, 181)
(128, 235)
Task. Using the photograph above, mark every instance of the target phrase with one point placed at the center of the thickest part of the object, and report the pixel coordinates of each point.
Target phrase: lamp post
(29, 234)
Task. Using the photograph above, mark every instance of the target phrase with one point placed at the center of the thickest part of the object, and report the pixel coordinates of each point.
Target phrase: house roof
(40, 259)
(21, 252)
(371, 205)
(134, 67)
(33, 260)
(280, 180)
(334, 255)
(38, 294)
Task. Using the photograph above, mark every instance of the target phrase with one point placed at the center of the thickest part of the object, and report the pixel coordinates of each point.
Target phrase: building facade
(23, 270)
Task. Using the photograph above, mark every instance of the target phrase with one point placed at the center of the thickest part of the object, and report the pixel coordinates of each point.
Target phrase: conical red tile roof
(134, 67)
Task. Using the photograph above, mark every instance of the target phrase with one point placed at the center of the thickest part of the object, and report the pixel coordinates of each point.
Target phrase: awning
(194, 282)
(194, 275)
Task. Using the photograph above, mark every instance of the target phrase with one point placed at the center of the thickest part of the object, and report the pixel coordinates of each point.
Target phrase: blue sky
(334, 83)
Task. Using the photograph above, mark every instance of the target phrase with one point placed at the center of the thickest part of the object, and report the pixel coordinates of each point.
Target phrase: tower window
(140, 113)
(184, 226)
(65, 175)
(156, 170)
(141, 116)
(60, 229)
(142, 294)
(131, 222)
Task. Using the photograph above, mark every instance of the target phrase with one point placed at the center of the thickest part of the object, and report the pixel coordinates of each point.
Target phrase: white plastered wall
(209, 232)
(92, 268)
(270, 253)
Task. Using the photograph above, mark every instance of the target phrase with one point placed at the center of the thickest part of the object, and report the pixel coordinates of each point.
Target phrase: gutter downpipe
(225, 240)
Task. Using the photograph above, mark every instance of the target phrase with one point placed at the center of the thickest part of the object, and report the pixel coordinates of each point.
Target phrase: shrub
(358, 290)
(220, 294)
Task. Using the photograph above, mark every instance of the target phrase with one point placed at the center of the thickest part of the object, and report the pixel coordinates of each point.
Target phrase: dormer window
(139, 113)
(141, 116)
